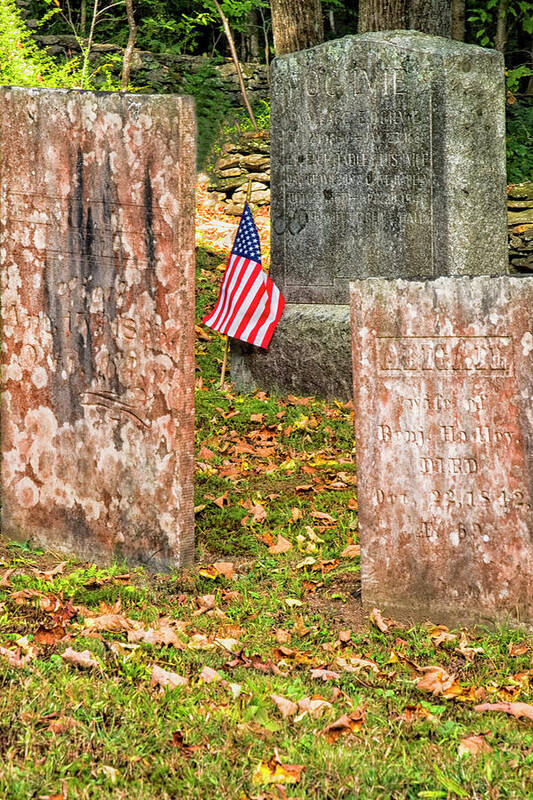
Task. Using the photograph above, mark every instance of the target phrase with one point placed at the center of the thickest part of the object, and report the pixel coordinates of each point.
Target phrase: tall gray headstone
(388, 159)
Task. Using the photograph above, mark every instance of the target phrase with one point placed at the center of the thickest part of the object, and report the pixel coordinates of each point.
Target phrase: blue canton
(246, 242)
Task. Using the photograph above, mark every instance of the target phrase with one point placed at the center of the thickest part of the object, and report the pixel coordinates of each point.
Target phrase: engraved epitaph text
(443, 399)
(371, 163)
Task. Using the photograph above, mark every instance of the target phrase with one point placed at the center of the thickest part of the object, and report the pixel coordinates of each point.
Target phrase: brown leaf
(322, 515)
(84, 659)
(49, 574)
(108, 622)
(378, 620)
(314, 706)
(219, 568)
(4, 580)
(205, 454)
(438, 682)
(63, 725)
(282, 545)
(475, 745)
(324, 674)
(286, 707)
(514, 649)
(351, 551)
(283, 636)
(49, 636)
(516, 709)
(178, 740)
(345, 724)
(353, 505)
(162, 677)
(163, 635)
(14, 658)
(273, 771)
(256, 509)
(209, 675)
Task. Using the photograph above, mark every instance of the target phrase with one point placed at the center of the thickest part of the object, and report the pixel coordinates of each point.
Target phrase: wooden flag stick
(226, 346)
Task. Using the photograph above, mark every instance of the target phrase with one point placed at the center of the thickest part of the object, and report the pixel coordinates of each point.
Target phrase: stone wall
(520, 219)
(241, 161)
(164, 72)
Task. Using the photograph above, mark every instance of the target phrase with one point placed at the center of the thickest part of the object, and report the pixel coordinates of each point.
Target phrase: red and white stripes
(249, 304)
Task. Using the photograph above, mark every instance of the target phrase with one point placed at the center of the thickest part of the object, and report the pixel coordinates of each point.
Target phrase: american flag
(249, 304)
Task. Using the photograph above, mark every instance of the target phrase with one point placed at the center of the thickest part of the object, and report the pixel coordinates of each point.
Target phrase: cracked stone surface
(97, 259)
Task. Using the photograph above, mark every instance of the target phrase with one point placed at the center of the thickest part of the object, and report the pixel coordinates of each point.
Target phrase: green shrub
(212, 105)
(22, 63)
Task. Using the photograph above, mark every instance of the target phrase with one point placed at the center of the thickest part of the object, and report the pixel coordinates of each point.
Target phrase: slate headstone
(388, 159)
(443, 397)
(97, 259)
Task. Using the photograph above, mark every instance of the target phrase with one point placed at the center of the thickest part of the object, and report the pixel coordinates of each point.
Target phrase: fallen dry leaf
(84, 659)
(286, 707)
(178, 740)
(273, 771)
(282, 545)
(314, 706)
(108, 622)
(475, 745)
(209, 675)
(514, 649)
(229, 644)
(438, 682)
(63, 725)
(351, 551)
(384, 625)
(49, 636)
(14, 658)
(163, 635)
(6, 575)
(324, 674)
(516, 709)
(345, 724)
(162, 677)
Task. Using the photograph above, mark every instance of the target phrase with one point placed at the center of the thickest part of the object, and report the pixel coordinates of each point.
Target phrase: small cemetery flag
(249, 304)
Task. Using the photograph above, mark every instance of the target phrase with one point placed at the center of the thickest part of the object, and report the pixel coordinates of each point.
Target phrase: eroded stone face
(97, 259)
(443, 388)
(388, 159)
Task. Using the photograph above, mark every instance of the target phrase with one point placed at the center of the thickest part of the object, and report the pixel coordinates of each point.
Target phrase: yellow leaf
(273, 771)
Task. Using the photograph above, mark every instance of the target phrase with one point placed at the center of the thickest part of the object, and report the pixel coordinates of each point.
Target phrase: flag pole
(226, 346)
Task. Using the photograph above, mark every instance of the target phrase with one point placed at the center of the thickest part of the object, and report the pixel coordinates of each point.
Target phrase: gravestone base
(310, 354)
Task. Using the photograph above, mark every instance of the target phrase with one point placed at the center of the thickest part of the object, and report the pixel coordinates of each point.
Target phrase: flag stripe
(225, 291)
(251, 290)
(249, 305)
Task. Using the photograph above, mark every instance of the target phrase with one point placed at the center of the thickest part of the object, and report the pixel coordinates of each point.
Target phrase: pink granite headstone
(443, 387)
(97, 260)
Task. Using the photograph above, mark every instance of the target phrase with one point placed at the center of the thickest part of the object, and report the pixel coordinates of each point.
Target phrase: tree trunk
(296, 25)
(128, 53)
(252, 24)
(458, 20)
(429, 16)
(500, 40)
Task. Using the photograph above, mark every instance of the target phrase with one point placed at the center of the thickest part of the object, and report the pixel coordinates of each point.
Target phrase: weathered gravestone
(388, 158)
(443, 395)
(97, 258)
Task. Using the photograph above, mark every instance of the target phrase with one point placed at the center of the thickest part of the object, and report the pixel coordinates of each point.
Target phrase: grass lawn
(254, 674)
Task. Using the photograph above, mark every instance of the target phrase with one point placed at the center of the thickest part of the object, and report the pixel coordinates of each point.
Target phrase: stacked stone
(163, 72)
(246, 159)
(520, 219)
